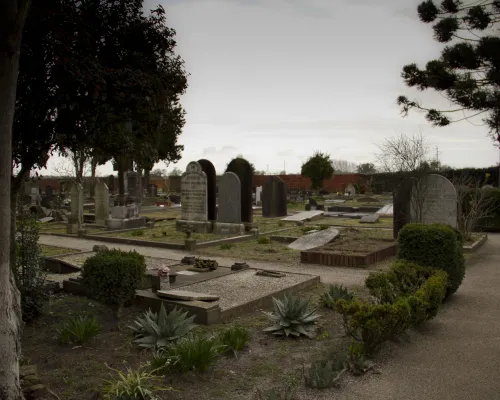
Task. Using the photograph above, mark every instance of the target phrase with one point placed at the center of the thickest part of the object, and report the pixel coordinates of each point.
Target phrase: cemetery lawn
(158, 215)
(350, 241)
(335, 221)
(75, 372)
(52, 251)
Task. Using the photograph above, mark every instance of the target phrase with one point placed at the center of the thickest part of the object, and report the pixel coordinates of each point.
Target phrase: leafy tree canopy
(317, 168)
(98, 79)
(468, 71)
(367, 168)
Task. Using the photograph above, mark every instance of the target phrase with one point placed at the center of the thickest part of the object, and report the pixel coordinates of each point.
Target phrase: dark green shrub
(226, 246)
(28, 266)
(138, 232)
(113, 276)
(434, 245)
(374, 324)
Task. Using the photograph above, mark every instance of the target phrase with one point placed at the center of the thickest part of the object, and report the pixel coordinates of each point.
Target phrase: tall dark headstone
(111, 183)
(49, 191)
(274, 198)
(208, 168)
(243, 169)
(401, 199)
(132, 183)
(153, 190)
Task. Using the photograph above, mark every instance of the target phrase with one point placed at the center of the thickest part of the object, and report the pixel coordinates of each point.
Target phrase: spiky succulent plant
(292, 317)
(334, 293)
(159, 329)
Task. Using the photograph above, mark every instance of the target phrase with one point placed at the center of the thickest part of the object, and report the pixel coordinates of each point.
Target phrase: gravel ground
(244, 286)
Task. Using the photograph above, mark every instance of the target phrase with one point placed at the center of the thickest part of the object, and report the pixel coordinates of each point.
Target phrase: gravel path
(345, 276)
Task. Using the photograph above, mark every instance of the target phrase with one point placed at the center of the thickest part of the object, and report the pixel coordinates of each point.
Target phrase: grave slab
(369, 219)
(186, 295)
(304, 216)
(314, 240)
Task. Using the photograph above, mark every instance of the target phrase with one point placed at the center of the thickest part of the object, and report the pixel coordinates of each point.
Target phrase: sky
(276, 80)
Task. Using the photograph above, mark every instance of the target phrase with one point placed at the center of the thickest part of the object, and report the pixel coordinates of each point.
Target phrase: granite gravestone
(49, 192)
(274, 198)
(208, 168)
(153, 190)
(243, 169)
(350, 189)
(194, 200)
(75, 220)
(258, 195)
(315, 239)
(229, 208)
(132, 183)
(101, 203)
(435, 201)
(401, 199)
(111, 184)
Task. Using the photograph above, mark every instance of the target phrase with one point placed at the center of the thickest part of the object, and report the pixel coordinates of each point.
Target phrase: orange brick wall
(336, 183)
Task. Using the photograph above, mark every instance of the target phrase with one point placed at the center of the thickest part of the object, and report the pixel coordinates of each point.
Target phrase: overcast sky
(275, 80)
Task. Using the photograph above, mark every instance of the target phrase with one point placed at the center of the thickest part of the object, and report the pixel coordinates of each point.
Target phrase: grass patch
(52, 251)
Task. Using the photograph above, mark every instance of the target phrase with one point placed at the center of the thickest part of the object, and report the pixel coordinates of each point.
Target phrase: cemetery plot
(339, 221)
(262, 365)
(353, 248)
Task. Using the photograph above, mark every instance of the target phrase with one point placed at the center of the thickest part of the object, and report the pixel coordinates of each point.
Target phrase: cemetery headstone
(402, 205)
(229, 208)
(75, 219)
(208, 168)
(434, 201)
(369, 219)
(194, 200)
(274, 198)
(243, 169)
(132, 183)
(258, 195)
(111, 183)
(350, 189)
(101, 203)
(49, 191)
(153, 190)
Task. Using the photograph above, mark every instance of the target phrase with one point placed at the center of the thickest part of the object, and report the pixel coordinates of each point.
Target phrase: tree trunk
(12, 17)
(93, 170)
(147, 179)
(17, 184)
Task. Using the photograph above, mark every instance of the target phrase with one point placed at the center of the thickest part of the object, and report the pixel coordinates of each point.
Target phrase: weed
(263, 240)
(160, 361)
(276, 394)
(79, 329)
(234, 338)
(334, 293)
(195, 353)
(323, 374)
(138, 232)
(226, 246)
(139, 384)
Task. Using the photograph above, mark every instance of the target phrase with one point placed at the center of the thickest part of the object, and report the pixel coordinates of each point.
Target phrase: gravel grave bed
(244, 286)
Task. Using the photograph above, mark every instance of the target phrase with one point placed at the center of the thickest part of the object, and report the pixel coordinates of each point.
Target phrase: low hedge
(436, 246)
(406, 295)
(113, 276)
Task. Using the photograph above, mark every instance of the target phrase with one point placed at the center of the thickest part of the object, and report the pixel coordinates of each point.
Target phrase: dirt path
(454, 357)
(345, 276)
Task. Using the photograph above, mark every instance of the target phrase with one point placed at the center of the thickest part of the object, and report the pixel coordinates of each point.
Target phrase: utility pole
(438, 165)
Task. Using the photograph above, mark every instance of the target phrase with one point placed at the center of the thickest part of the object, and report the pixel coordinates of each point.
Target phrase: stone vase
(164, 282)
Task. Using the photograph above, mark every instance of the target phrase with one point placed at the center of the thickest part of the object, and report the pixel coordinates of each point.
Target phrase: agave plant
(292, 317)
(159, 329)
(335, 293)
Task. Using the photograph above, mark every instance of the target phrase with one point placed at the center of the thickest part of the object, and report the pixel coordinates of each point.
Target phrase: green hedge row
(407, 294)
(113, 276)
(434, 245)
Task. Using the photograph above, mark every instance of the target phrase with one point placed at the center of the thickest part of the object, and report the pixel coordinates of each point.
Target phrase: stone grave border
(207, 313)
(476, 245)
(334, 258)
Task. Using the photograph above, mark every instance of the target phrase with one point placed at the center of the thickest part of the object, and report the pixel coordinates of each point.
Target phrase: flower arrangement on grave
(164, 275)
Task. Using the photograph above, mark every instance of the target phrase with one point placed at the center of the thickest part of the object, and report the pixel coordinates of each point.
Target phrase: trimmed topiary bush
(113, 276)
(437, 246)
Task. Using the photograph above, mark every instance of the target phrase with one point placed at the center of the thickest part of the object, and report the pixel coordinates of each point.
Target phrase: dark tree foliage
(468, 71)
(318, 168)
(367, 168)
(89, 70)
